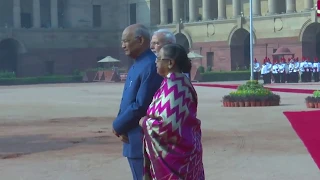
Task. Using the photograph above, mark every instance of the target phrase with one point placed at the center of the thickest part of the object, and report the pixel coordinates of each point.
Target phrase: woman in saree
(172, 133)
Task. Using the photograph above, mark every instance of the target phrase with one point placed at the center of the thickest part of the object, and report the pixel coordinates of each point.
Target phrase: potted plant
(314, 100)
(226, 100)
(237, 100)
(246, 100)
(316, 95)
(252, 94)
(241, 102)
(232, 101)
(258, 100)
(310, 101)
(252, 100)
(276, 99)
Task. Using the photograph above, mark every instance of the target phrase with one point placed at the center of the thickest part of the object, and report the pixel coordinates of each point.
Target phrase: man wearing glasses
(160, 38)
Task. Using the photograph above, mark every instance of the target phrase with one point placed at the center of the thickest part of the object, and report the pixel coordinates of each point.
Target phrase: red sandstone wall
(262, 48)
(68, 60)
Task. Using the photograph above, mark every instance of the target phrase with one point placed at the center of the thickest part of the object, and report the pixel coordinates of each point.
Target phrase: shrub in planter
(201, 69)
(7, 74)
(214, 76)
(314, 100)
(226, 100)
(40, 80)
(252, 94)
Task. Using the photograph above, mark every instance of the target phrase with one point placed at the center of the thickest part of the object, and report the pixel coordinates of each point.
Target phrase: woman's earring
(169, 66)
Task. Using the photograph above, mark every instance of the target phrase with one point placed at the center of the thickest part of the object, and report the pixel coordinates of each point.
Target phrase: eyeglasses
(154, 43)
(158, 59)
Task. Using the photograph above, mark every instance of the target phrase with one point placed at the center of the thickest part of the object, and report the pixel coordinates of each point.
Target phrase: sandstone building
(60, 36)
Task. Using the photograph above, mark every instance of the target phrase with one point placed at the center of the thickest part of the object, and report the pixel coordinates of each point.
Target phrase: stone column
(36, 14)
(175, 12)
(272, 7)
(222, 9)
(16, 14)
(163, 11)
(192, 11)
(236, 8)
(54, 14)
(256, 7)
(206, 10)
(291, 6)
(308, 4)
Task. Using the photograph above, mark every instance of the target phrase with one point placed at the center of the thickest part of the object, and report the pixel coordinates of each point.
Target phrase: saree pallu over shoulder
(172, 133)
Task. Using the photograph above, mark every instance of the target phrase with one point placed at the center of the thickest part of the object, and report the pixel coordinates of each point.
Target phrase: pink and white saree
(172, 134)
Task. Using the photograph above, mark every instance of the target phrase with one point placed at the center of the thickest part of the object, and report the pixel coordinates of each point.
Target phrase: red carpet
(307, 126)
(235, 86)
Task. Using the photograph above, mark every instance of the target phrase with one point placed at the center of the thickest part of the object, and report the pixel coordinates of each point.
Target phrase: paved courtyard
(62, 132)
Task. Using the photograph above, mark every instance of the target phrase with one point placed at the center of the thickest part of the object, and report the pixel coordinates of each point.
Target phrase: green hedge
(40, 80)
(225, 76)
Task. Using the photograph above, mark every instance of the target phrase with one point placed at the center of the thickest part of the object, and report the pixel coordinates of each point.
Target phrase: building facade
(219, 29)
(44, 37)
(61, 36)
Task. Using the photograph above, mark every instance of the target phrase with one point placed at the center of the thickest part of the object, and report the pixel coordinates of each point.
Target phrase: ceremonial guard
(269, 71)
(282, 70)
(275, 71)
(286, 70)
(303, 69)
(309, 70)
(256, 70)
(316, 69)
(296, 70)
(291, 73)
(264, 71)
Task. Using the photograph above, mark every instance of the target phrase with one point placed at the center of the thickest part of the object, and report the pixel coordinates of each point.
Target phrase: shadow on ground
(16, 146)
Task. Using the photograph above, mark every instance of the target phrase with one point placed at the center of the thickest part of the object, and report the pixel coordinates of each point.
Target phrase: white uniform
(256, 67)
(316, 67)
(296, 66)
(275, 69)
(316, 70)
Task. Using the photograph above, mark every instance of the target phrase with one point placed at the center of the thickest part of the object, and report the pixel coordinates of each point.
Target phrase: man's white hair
(143, 31)
(168, 35)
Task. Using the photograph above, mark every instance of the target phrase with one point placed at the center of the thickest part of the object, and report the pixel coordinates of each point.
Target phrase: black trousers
(316, 76)
(264, 77)
(304, 77)
(291, 77)
(276, 78)
(309, 76)
(288, 78)
(282, 77)
(294, 77)
(267, 78)
(256, 76)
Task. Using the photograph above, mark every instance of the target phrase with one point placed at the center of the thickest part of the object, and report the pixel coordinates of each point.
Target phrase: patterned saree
(172, 134)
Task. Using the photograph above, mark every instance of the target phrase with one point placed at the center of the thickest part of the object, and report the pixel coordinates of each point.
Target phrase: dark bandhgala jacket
(141, 84)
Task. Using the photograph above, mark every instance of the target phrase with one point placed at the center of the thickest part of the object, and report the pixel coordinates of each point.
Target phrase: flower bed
(314, 100)
(251, 94)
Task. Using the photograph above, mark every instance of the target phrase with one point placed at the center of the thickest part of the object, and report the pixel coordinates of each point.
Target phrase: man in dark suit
(141, 84)
(160, 38)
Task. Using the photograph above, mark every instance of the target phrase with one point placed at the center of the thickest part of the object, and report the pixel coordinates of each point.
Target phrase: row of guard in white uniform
(290, 71)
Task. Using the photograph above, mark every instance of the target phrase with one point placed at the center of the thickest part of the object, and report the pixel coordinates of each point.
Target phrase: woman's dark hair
(180, 55)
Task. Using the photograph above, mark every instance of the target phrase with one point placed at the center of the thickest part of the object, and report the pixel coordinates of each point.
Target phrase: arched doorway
(311, 41)
(9, 54)
(183, 41)
(240, 50)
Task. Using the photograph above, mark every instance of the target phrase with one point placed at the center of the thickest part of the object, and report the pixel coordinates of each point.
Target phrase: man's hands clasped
(123, 138)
